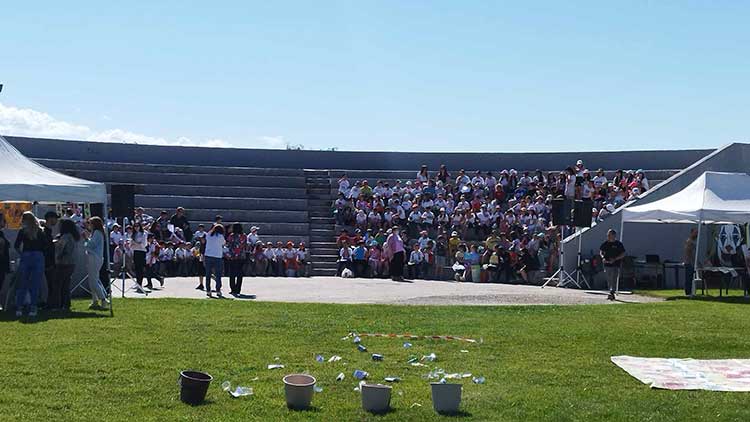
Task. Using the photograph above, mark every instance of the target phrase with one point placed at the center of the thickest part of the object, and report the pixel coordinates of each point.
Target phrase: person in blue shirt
(360, 259)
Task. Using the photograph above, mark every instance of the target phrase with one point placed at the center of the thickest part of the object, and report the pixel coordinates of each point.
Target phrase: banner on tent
(13, 211)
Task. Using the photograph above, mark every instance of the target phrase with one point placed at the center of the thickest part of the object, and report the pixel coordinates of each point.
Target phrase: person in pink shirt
(394, 251)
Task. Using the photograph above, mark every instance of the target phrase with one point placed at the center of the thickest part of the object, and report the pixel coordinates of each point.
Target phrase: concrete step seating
(166, 168)
(206, 202)
(141, 178)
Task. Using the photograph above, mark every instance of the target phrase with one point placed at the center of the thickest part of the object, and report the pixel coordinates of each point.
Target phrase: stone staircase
(323, 251)
(271, 198)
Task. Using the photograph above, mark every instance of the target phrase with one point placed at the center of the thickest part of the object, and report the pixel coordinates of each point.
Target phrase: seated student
(416, 258)
(376, 261)
(359, 259)
(428, 264)
(291, 260)
(493, 264)
(343, 237)
(345, 258)
(303, 257)
(278, 253)
(261, 260)
(270, 268)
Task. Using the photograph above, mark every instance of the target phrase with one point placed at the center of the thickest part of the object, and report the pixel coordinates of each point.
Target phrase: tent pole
(695, 262)
(105, 211)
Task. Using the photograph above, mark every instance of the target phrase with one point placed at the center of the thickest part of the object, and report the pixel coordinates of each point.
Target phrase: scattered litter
(357, 340)
(478, 380)
(275, 366)
(438, 373)
(361, 348)
(255, 379)
(464, 351)
(360, 374)
(376, 357)
(457, 376)
(430, 358)
(240, 391)
(334, 358)
(318, 389)
(276, 358)
(340, 377)
(401, 393)
(418, 364)
(407, 345)
(415, 337)
(320, 358)
(443, 381)
(412, 359)
(392, 379)
(415, 405)
(359, 386)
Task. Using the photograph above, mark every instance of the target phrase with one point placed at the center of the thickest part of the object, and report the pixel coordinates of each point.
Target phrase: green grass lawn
(540, 362)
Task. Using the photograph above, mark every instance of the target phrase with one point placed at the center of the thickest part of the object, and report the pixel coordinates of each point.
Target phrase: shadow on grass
(459, 414)
(206, 402)
(46, 316)
(312, 409)
(718, 299)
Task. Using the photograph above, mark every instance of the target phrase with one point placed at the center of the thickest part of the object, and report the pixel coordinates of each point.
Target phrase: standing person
(138, 244)
(65, 247)
(179, 220)
(94, 247)
(612, 252)
(31, 244)
(689, 260)
(50, 231)
(236, 242)
(4, 253)
(214, 241)
(394, 250)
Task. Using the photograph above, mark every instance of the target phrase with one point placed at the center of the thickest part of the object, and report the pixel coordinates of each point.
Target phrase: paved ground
(420, 292)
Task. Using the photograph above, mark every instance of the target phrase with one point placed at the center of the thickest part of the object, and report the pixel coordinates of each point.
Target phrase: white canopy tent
(24, 180)
(713, 198)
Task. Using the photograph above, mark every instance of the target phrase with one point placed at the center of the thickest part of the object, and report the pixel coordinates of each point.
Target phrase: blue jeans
(31, 271)
(215, 266)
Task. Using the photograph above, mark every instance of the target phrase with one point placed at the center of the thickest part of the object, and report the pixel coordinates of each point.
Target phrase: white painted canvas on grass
(688, 374)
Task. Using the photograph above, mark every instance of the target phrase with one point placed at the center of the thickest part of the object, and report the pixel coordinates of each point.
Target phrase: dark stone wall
(111, 152)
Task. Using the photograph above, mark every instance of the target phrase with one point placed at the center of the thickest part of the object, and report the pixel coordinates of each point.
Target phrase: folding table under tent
(23, 180)
(712, 198)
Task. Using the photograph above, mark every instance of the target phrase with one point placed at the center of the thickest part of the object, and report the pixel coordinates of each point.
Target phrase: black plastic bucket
(193, 386)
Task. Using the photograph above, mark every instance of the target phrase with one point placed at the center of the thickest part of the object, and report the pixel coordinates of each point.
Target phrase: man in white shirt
(599, 180)
(462, 179)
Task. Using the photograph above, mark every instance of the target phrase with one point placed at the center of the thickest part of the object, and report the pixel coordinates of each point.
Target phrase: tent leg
(695, 261)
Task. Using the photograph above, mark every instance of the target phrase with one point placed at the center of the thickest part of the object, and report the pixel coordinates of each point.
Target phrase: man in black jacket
(612, 252)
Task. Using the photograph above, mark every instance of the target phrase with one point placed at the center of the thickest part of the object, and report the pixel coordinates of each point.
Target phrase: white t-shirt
(215, 245)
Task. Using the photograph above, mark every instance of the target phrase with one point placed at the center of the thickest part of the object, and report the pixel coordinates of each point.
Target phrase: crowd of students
(156, 248)
(47, 261)
(506, 216)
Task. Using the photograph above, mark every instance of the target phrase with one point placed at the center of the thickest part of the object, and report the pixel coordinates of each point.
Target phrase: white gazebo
(23, 180)
(713, 198)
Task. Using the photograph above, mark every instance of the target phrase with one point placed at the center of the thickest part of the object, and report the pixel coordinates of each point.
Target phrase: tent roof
(24, 180)
(713, 197)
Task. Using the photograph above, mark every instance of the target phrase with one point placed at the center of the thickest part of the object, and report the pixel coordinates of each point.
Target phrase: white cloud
(27, 122)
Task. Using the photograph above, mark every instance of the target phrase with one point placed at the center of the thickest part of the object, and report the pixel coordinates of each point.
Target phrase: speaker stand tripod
(565, 278)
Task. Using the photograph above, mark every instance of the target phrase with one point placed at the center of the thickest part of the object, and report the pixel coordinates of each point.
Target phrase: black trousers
(235, 275)
(59, 297)
(139, 262)
(397, 265)
(360, 268)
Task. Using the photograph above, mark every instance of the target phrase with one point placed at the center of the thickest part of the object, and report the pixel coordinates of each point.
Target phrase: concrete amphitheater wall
(111, 152)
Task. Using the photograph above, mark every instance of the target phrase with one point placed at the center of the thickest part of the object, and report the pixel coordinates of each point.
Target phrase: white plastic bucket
(376, 398)
(299, 390)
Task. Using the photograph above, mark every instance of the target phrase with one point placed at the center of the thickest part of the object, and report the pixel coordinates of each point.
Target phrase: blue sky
(385, 75)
